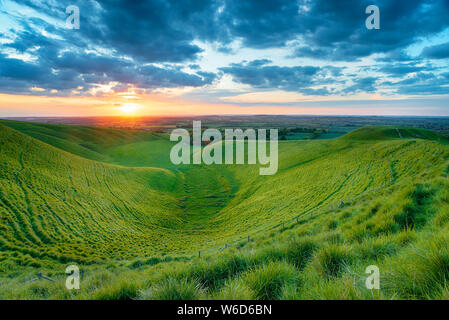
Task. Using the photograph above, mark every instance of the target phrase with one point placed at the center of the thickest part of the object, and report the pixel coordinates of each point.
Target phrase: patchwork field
(111, 201)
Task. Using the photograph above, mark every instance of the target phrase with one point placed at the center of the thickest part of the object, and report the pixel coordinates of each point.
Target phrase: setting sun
(129, 107)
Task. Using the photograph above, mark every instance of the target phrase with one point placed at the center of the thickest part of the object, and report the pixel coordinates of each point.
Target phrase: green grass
(173, 289)
(111, 201)
(268, 281)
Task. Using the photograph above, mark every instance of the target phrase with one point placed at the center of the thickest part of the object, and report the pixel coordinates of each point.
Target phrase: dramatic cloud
(261, 23)
(335, 30)
(440, 51)
(424, 83)
(157, 44)
(259, 75)
(401, 69)
(148, 31)
(362, 85)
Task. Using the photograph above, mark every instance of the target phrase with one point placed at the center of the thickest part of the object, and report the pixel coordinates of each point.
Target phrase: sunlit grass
(111, 202)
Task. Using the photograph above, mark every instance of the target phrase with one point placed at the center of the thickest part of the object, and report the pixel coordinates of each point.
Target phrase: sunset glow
(129, 108)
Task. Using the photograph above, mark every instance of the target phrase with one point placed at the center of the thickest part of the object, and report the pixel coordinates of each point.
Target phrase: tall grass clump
(300, 251)
(331, 261)
(213, 272)
(414, 213)
(172, 288)
(117, 290)
(234, 290)
(422, 271)
(268, 280)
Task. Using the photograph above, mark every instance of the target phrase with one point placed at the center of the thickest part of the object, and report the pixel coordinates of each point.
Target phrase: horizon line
(222, 115)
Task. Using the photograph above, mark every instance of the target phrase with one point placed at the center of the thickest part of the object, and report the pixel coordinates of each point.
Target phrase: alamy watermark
(234, 140)
(373, 20)
(73, 20)
(373, 280)
(72, 281)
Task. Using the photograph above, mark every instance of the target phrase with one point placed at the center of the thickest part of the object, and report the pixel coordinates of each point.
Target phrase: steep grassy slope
(333, 208)
(88, 142)
(58, 206)
(393, 132)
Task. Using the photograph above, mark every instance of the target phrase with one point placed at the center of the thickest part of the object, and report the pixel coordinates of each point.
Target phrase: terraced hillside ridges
(57, 206)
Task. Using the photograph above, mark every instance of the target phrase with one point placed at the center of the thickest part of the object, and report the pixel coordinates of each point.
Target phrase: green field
(111, 201)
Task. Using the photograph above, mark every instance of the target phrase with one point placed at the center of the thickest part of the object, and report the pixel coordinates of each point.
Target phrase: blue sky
(224, 56)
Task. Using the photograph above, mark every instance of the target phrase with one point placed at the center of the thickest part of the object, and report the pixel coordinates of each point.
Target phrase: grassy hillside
(111, 201)
(88, 142)
(394, 132)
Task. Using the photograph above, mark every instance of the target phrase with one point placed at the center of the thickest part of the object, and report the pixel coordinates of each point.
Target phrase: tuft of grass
(422, 271)
(214, 273)
(299, 252)
(377, 248)
(331, 261)
(290, 292)
(173, 289)
(234, 290)
(268, 280)
(117, 290)
(414, 213)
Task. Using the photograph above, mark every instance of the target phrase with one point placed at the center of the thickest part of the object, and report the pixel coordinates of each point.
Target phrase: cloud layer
(150, 45)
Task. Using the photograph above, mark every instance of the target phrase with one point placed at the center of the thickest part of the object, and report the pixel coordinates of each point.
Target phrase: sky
(188, 57)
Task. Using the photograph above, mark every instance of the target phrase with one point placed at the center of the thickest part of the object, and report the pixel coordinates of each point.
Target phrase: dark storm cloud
(68, 71)
(401, 69)
(336, 29)
(367, 84)
(134, 35)
(153, 77)
(17, 69)
(440, 51)
(259, 75)
(163, 30)
(18, 76)
(397, 55)
(261, 23)
(65, 66)
(144, 42)
(148, 31)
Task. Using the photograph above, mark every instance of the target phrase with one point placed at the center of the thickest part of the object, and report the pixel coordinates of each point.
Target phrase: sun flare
(129, 107)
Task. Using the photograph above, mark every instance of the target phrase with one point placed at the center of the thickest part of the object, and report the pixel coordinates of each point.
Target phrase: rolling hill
(111, 201)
